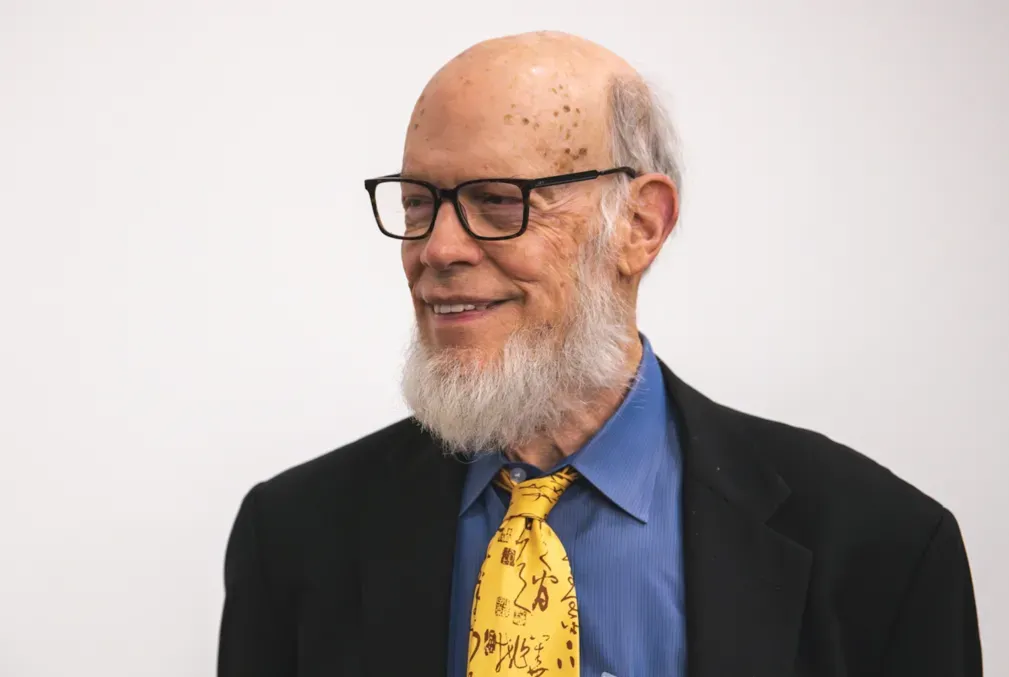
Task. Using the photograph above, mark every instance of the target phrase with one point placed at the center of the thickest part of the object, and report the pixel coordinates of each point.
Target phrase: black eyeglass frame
(527, 186)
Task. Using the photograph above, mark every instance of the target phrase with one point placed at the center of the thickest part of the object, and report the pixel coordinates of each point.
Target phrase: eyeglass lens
(491, 208)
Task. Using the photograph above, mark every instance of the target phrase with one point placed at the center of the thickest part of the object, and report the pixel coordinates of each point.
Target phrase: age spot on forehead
(567, 108)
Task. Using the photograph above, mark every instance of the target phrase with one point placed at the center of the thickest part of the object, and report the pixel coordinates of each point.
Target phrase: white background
(194, 296)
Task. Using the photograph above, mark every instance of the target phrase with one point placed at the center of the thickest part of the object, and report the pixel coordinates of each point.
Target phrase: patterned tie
(525, 616)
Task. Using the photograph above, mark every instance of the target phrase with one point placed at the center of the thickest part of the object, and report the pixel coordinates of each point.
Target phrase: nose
(449, 243)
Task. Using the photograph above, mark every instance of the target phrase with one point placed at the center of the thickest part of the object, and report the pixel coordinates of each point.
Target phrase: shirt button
(518, 475)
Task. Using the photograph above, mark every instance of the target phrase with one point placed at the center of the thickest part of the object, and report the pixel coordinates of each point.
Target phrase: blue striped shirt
(620, 524)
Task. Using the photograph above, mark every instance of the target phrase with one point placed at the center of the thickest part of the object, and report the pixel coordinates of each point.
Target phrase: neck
(547, 450)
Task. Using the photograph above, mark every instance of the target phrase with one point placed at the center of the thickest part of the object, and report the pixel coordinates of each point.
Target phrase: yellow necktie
(525, 616)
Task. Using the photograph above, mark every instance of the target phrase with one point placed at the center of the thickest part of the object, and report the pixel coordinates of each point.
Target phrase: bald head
(534, 104)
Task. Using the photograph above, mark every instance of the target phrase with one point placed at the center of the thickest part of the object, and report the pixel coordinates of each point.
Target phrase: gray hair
(642, 137)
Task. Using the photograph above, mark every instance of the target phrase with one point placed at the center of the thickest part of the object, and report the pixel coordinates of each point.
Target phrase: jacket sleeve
(936, 630)
(256, 635)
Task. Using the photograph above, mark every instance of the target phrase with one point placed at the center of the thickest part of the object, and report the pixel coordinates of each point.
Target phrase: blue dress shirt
(620, 524)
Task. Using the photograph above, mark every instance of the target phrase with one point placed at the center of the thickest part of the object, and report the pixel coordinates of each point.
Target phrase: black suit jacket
(802, 557)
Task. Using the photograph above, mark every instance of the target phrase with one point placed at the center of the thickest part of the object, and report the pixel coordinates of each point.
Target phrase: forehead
(535, 122)
(445, 164)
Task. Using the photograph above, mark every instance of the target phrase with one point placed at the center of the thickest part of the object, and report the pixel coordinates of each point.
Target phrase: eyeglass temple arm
(582, 176)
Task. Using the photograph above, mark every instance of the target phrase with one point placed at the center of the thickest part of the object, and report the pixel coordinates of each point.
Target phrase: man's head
(554, 321)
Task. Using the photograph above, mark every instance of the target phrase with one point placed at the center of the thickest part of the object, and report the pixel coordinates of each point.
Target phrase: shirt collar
(481, 471)
(621, 458)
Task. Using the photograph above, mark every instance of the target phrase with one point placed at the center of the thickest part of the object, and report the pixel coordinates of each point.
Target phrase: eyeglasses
(488, 209)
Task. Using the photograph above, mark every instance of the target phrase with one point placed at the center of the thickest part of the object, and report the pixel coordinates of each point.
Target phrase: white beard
(539, 380)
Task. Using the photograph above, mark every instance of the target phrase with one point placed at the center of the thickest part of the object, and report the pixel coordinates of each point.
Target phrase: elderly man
(560, 503)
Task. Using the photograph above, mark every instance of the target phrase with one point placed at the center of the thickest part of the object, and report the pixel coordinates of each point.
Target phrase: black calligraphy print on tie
(522, 543)
(489, 642)
(474, 635)
(521, 568)
(540, 492)
(502, 607)
(570, 594)
(513, 653)
(537, 666)
(476, 595)
(542, 600)
(522, 650)
(573, 610)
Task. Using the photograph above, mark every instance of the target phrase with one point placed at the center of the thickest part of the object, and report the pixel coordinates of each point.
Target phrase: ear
(654, 207)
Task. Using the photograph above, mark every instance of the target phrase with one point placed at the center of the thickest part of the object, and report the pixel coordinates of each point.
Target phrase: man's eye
(502, 200)
(415, 202)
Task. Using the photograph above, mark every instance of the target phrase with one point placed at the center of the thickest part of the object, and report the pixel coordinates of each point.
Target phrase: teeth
(446, 309)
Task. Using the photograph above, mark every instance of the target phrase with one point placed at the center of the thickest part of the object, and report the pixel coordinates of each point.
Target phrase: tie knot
(536, 497)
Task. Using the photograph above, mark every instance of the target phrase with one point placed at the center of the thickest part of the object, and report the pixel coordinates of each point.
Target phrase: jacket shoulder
(343, 469)
(840, 499)
(817, 467)
(323, 495)
(832, 488)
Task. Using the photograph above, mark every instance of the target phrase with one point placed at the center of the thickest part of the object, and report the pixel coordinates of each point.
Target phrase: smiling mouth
(450, 309)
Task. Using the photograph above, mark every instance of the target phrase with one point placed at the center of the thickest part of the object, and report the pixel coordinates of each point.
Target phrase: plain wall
(194, 296)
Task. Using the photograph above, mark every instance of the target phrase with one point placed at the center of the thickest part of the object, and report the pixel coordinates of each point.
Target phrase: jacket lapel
(745, 583)
(407, 555)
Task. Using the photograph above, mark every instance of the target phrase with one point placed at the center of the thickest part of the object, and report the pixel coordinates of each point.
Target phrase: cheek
(541, 263)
